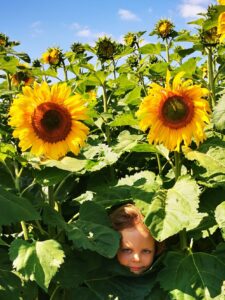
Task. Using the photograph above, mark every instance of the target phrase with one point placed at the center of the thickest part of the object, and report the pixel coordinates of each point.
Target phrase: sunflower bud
(130, 39)
(132, 61)
(36, 63)
(77, 48)
(164, 28)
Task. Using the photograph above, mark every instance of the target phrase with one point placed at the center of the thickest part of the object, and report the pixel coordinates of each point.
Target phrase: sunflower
(53, 56)
(164, 28)
(174, 114)
(221, 26)
(47, 120)
(221, 2)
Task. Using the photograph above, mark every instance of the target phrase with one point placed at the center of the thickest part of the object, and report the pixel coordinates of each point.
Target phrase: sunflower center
(51, 122)
(177, 112)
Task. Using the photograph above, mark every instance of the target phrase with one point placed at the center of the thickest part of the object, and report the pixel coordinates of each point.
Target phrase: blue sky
(47, 23)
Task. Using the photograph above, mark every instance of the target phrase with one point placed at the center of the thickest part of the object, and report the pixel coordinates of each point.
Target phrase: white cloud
(190, 8)
(85, 32)
(127, 15)
(36, 28)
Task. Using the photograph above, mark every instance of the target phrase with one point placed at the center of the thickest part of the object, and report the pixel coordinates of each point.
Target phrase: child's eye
(146, 251)
(125, 250)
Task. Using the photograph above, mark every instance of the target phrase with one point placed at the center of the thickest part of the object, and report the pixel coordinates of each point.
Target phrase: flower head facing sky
(175, 114)
(47, 120)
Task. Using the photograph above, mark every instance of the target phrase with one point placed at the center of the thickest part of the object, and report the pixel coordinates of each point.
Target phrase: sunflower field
(85, 130)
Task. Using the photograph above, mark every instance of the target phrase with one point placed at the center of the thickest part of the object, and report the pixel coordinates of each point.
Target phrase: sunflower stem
(178, 165)
(9, 81)
(65, 71)
(51, 202)
(167, 52)
(159, 163)
(105, 109)
(25, 231)
(211, 77)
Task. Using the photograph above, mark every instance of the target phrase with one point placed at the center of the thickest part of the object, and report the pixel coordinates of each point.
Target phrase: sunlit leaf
(37, 261)
(219, 114)
(193, 276)
(174, 209)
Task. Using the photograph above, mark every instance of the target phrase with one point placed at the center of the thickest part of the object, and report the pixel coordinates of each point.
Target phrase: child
(138, 248)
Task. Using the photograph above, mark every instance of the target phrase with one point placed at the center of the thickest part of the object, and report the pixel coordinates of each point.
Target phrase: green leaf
(53, 218)
(174, 209)
(50, 176)
(219, 114)
(10, 285)
(189, 66)
(193, 276)
(126, 141)
(150, 49)
(95, 237)
(67, 163)
(133, 97)
(8, 63)
(37, 261)
(145, 148)
(99, 157)
(210, 156)
(126, 119)
(220, 215)
(158, 69)
(14, 209)
(93, 212)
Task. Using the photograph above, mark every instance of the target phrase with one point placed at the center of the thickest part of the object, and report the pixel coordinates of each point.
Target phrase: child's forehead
(135, 235)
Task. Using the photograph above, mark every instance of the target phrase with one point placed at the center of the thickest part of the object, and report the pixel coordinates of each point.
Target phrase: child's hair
(126, 216)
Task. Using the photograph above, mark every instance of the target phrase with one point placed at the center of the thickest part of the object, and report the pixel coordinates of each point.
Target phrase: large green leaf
(219, 113)
(150, 49)
(93, 212)
(8, 63)
(210, 156)
(14, 209)
(220, 215)
(124, 120)
(50, 176)
(95, 237)
(67, 163)
(37, 261)
(174, 209)
(196, 276)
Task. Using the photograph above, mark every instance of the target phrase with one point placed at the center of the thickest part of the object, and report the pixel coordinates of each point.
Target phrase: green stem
(54, 292)
(105, 108)
(114, 68)
(65, 71)
(167, 52)
(178, 165)
(211, 77)
(25, 231)
(9, 81)
(159, 163)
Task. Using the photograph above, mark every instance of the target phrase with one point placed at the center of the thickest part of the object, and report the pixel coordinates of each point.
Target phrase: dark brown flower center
(51, 122)
(177, 112)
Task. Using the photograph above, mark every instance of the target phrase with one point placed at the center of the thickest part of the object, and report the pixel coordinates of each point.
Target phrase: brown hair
(125, 216)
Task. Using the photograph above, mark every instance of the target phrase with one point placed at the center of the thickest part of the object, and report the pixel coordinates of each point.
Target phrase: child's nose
(136, 257)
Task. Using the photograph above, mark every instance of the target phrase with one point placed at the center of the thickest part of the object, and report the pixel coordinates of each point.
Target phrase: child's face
(137, 249)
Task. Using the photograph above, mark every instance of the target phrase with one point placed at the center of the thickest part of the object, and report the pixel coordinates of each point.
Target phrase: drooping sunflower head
(175, 114)
(164, 28)
(105, 48)
(23, 76)
(53, 56)
(210, 37)
(48, 120)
